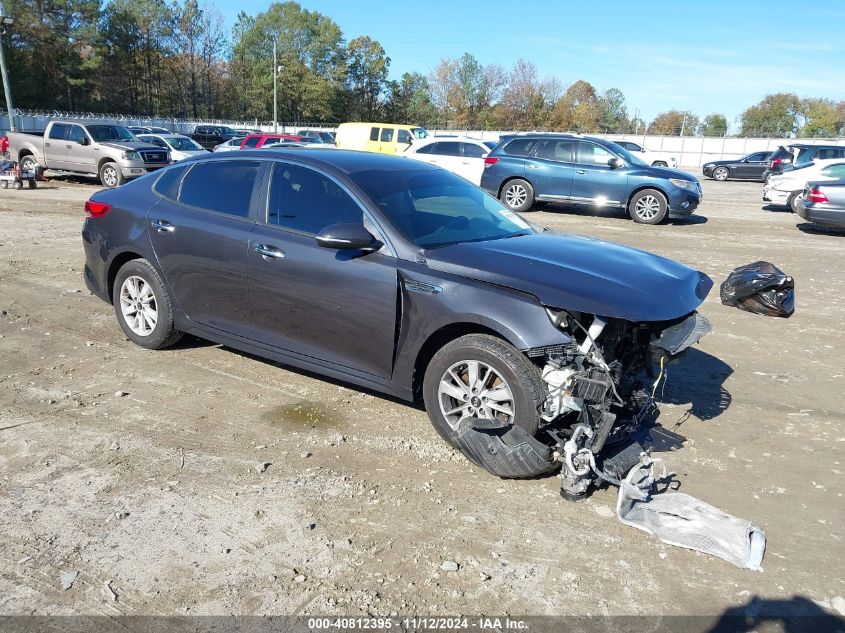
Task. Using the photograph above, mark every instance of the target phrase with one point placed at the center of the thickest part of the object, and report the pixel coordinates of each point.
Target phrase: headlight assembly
(689, 185)
(131, 156)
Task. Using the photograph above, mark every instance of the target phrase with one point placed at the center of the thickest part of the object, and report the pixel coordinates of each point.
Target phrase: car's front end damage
(622, 316)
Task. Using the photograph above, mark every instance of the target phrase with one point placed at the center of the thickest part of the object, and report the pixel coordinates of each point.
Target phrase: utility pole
(683, 125)
(275, 90)
(6, 21)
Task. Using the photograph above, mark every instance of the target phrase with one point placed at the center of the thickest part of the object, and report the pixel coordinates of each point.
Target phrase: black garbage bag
(760, 287)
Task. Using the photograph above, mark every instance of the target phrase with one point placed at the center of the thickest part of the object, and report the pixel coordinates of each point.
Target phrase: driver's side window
(76, 134)
(305, 200)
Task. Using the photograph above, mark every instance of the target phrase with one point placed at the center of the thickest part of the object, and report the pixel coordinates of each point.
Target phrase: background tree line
(177, 59)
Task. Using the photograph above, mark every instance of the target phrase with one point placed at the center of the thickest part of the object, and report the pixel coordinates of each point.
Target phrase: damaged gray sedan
(531, 351)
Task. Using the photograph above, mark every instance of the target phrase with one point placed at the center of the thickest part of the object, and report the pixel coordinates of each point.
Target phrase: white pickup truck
(110, 152)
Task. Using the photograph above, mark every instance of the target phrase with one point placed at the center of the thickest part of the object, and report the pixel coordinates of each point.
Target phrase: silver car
(823, 203)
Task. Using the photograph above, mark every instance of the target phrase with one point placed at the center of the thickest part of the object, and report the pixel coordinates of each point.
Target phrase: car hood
(661, 172)
(581, 274)
(127, 146)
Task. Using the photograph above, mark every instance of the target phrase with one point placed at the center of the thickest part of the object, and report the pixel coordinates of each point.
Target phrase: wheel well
(502, 186)
(437, 340)
(643, 188)
(103, 161)
(23, 153)
(116, 265)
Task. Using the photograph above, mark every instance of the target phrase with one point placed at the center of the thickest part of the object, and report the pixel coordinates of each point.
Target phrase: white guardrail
(688, 151)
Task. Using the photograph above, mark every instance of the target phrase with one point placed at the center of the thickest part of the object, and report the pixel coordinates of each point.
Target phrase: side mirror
(614, 163)
(347, 237)
(84, 141)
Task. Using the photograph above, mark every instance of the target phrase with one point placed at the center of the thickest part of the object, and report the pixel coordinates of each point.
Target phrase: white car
(655, 159)
(230, 145)
(181, 147)
(785, 190)
(461, 155)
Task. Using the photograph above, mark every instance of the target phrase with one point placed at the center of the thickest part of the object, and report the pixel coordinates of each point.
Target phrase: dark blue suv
(576, 169)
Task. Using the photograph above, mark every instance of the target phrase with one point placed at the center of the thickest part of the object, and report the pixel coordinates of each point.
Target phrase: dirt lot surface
(200, 480)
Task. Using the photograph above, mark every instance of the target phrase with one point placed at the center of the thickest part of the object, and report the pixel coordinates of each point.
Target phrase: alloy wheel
(515, 196)
(720, 174)
(647, 207)
(110, 177)
(473, 389)
(138, 305)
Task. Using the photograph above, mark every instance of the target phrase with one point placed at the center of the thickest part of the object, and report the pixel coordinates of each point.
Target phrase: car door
(333, 305)
(200, 234)
(550, 169)
(472, 161)
(80, 154)
(404, 141)
(373, 144)
(751, 166)
(594, 182)
(55, 146)
(386, 140)
(447, 154)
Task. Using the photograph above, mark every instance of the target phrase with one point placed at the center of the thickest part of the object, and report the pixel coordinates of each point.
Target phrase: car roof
(343, 161)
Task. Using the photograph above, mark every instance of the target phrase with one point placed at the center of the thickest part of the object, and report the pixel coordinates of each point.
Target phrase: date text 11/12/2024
(418, 623)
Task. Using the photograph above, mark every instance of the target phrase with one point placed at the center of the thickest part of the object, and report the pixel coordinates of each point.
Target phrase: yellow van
(385, 138)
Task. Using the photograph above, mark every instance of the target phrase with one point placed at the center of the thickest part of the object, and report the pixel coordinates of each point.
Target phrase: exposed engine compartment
(601, 388)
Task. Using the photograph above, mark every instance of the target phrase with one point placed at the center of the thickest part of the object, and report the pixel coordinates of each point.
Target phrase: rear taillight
(775, 162)
(96, 209)
(816, 196)
(490, 160)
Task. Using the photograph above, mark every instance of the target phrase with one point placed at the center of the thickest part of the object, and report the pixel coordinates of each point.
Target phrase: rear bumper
(821, 215)
(96, 272)
(775, 196)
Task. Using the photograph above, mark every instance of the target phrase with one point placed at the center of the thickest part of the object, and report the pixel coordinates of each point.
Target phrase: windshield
(437, 208)
(419, 132)
(183, 144)
(105, 133)
(628, 156)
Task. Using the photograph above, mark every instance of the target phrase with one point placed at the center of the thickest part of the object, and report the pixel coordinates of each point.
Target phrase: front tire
(648, 206)
(481, 376)
(142, 306)
(518, 195)
(721, 174)
(111, 176)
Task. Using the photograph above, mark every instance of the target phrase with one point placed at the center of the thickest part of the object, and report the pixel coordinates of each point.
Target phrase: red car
(256, 141)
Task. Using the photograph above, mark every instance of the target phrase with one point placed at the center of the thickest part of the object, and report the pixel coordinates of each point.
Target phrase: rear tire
(792, 201)
(518, 195)
(111, 176)
(28, 163)
(648, 206)
(142, 306)
(513, 385)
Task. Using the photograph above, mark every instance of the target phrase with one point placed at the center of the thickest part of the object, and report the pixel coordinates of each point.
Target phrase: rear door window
(58, 131)
(520, 147)
(224, 186)
(374, 133)
(427, 149)
(448, 148)
(252, 142)
(168, 183)
(305, 200)
(473, 151)
(834, 171)
(561, 150)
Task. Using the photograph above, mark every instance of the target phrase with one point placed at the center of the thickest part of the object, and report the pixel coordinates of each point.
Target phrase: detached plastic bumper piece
(504, 450)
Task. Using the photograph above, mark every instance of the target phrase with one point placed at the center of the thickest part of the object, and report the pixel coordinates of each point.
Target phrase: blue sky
(713, 56)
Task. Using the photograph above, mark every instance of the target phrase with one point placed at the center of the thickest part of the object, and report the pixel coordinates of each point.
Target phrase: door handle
(580, 171)
(68, 145)
(532, 166)
(162, 226)
(269, 252)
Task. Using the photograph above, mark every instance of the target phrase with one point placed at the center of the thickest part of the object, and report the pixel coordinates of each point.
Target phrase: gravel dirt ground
(200, 480)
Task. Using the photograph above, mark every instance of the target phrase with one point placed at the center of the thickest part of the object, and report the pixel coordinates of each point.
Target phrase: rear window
(222, 186)
(520, 147)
